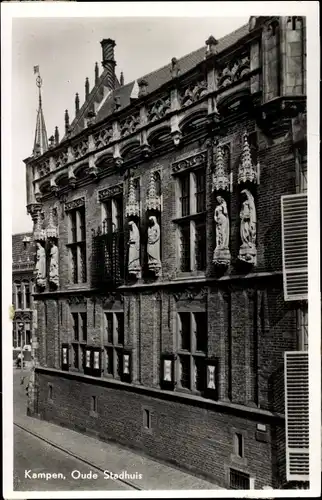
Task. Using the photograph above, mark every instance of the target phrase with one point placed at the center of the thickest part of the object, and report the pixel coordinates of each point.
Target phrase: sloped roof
(22, 253)
(154, 79)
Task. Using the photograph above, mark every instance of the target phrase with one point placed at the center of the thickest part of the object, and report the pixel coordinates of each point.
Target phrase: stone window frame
(113, 347)
(193, 221)
(192, 353)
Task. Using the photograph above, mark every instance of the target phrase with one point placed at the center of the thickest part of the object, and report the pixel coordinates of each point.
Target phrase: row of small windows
(191, 352)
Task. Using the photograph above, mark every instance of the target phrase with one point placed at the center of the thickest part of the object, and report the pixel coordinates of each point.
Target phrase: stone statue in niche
(53, 266)
(40, 265)
(247, 251)
(221, 253)
(153, 248)
(134, 266)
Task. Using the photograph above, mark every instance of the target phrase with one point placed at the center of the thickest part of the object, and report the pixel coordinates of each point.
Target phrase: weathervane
(38, 80)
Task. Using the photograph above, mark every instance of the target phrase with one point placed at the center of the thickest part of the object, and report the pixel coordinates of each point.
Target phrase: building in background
(23, 264)
(171, 229)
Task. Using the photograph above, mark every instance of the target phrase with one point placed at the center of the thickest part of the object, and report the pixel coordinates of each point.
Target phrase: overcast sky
(66, 50)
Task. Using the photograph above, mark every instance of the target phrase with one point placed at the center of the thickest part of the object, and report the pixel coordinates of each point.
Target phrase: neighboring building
(23, 264)
(163, 315)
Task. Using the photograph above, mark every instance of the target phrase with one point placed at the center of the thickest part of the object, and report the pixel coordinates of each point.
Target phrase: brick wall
(199, 439)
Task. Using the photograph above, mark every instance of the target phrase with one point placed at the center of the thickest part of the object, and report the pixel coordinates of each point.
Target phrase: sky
(66, 50)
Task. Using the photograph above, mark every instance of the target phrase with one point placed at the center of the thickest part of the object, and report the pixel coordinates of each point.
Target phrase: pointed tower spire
(41, 140)
(76, 104)
(66, 121)
(56, 136)
(86, 88)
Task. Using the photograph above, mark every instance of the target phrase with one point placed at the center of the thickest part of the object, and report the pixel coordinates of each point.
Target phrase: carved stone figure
(248, 252)
(221, 253)
(40, 265)
(134, 266)
(53, 266)
(154, 262)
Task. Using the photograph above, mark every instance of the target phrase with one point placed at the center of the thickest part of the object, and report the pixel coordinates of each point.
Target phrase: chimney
(121, 79)
(108, 61)
(76, 104)
(86, 88)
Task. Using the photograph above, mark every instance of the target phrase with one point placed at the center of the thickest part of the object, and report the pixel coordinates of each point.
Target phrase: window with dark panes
(192, 350)
(77, 245)
(79, 325)
(27, 296)
(19, 296)
(200, 180)
(185, 195)
(200, 244)
(191, 220)
(113, 343)
(185, 247)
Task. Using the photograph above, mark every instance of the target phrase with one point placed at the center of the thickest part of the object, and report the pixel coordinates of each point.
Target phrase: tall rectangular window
(112, 214)
(18, 297)
(191, 220)
(27, 296)
(113, 343)
(77, 245)
(185, 194)
(79, 325)
(192, 350)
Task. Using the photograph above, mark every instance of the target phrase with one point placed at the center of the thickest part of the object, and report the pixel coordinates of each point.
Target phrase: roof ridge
(192, 52)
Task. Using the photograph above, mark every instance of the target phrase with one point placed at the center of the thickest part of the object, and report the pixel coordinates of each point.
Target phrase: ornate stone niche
(52, 238)
(248, 223)
(221, 183)
(132, 211)
(40, 238)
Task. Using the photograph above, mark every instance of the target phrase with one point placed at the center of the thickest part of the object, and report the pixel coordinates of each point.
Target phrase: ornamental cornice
(78, 202)
(77, 300)
(191, 293)
(190, 162)
(108, 192)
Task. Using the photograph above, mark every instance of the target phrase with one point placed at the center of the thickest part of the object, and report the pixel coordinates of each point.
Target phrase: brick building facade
(23, 287)
(175, 345)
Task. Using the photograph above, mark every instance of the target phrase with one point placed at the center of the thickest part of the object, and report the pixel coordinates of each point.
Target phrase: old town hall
(170, 226)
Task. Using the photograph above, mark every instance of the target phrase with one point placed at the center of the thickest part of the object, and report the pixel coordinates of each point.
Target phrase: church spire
(41, 141)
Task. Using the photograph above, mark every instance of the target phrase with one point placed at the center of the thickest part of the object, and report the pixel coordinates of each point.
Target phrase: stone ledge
(189, 399)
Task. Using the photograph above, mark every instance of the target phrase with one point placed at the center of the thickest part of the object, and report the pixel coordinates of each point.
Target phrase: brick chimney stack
(108, 61)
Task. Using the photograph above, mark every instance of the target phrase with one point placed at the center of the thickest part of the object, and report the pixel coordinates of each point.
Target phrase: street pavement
(43, 447)
(33, 456)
